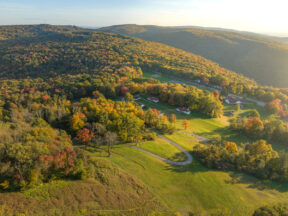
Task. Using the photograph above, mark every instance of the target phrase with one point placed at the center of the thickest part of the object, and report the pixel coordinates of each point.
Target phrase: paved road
(201, 138)
(183, 163)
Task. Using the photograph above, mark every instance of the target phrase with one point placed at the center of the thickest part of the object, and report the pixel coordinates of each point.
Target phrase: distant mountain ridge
(256, 56)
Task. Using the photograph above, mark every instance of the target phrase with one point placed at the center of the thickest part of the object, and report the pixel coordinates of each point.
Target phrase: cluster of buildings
(156, 100)
(230, 99)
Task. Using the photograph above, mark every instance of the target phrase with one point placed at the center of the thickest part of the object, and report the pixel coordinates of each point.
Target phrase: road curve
(201, 138)
(182, 163)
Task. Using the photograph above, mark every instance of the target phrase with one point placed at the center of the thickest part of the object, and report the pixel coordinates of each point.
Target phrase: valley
(95, 123)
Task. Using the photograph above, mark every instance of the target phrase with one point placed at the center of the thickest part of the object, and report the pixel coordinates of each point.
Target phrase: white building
(183, 110)
(153, 99)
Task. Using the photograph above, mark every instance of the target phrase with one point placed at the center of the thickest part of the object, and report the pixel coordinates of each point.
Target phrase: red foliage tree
(124, 90)
(63, 161)
(84, 136)
(155, 111)
(45, 98)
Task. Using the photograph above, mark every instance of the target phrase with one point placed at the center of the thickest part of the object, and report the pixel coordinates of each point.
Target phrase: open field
(185, 140)
(199, 124)
(163, 149)
(196, 188)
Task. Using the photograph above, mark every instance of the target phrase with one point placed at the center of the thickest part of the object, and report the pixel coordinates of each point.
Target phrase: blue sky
(264, 16)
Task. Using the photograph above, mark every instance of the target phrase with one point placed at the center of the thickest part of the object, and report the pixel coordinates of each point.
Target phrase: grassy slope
(255, 56)
(114, 193)
(196, 188)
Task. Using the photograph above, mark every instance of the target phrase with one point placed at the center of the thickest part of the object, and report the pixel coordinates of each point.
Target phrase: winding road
(182, 163)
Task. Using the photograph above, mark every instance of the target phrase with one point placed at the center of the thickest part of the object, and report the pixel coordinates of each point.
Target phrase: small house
(137, 97)
(141, 105)
(183, 110)
(153, 99)
(234, 100)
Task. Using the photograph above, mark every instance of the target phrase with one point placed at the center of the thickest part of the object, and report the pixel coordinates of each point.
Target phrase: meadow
(196, 189)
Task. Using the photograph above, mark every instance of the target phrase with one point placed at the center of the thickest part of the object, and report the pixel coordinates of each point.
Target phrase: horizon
(269, 34)
(262, 17)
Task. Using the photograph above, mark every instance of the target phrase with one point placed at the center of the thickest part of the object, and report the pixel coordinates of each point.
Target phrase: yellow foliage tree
(78, 121)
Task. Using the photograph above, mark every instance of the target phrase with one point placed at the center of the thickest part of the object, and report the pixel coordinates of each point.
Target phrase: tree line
(272, 129)
(257, 158)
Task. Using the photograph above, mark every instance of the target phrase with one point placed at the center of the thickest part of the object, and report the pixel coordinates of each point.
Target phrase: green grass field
(199, 124)
(246, 109)
(157, 76)
(164, 149)
(185, 140)
(196, 188)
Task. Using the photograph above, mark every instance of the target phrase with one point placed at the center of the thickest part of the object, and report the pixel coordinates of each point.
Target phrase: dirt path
(183, 163)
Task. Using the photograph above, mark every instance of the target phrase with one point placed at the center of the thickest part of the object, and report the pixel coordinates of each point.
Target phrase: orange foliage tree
(254, 127)
(185, 124)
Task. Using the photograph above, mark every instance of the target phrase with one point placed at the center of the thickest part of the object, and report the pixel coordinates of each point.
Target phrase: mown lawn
(164, 149)
(196, 188)
(244, 111)
(185, 140)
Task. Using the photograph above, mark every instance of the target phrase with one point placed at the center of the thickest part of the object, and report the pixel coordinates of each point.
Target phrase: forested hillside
(47, 51)
(257, 57)
(39, 51)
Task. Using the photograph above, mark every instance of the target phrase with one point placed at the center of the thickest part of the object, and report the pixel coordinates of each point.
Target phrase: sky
(261, 16)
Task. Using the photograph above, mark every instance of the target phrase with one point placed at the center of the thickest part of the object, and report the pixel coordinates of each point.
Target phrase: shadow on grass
(227, 135)
(253, 182)
(236, 177)
(178, 157)
(194, 167)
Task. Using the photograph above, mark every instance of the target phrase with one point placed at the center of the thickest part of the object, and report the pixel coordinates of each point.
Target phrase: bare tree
(110, 139)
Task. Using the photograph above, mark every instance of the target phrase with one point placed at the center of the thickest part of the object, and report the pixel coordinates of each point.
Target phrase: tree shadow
(227, 135)
(253, 182)
(236, 177)
(178, 157)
